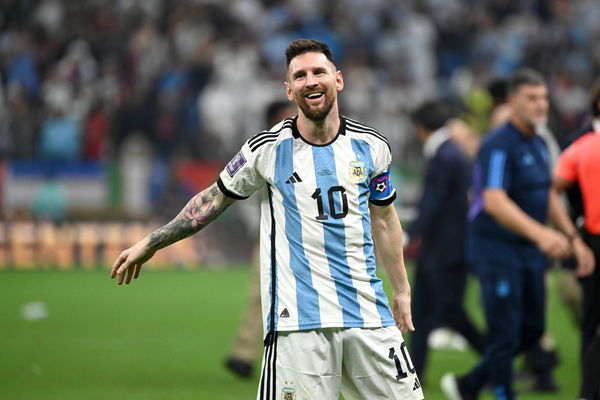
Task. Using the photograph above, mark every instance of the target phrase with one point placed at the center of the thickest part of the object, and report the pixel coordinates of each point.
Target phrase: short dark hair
(431, 115)
(595, 98)
(301, 46)
(524, 76)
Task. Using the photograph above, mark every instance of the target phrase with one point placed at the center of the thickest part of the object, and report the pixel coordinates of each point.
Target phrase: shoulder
(586, 138)
(449, 150)
(269, 138)
(369, 134)
(501, 138)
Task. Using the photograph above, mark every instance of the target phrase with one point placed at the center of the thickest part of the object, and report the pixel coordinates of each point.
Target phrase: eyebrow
(314, 69)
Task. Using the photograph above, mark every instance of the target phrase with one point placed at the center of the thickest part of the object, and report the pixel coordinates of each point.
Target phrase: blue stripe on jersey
(307, 298)
(362, 150)
(496, 171)
(335, 236)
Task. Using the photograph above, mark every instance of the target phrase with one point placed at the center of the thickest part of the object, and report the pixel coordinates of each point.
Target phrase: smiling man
(326, 201)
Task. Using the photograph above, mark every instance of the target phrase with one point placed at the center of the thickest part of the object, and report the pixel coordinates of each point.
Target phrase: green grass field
(165, 337)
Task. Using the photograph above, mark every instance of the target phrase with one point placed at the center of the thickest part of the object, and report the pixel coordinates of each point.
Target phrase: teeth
(314, 95)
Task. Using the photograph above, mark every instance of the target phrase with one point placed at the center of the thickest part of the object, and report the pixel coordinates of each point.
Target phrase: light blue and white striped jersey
(317, 252)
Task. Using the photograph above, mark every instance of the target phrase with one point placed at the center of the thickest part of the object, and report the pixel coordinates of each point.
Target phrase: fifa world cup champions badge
(358, 172)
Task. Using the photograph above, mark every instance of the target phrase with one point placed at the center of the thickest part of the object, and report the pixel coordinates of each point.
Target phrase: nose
(311, 80)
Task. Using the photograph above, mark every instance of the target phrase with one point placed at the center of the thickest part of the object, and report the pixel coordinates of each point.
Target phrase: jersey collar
(297, 135)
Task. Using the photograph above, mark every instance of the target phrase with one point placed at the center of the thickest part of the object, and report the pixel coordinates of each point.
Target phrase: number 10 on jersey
(333, 193)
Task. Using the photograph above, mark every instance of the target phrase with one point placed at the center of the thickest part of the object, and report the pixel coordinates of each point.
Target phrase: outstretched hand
(129, 263)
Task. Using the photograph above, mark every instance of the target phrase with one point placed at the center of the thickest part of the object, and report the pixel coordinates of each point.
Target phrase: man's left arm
(387, 234)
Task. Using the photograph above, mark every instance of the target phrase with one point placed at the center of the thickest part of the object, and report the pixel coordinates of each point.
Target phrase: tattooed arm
(201, 210)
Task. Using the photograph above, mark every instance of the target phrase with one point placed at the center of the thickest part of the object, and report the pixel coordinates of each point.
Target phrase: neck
(322, 131)
(523, 126)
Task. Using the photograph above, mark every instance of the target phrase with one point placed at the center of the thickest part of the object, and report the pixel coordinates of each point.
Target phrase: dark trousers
(514, 300)
(438, 292)
(590, 326)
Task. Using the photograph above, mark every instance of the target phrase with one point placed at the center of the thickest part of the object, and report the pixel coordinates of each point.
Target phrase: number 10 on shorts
(394, 356)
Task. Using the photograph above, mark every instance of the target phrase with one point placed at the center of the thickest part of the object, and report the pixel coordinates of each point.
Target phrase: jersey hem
(309, 327)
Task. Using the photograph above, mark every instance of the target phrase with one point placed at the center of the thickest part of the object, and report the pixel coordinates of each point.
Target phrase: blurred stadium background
(114, 112)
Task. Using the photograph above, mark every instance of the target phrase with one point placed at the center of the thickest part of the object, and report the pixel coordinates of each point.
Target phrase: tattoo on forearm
(199, 212)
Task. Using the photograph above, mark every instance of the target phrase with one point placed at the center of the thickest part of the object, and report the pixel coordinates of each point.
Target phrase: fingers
(130, 271)
(556, 246)
(138, 269)
(118, 262)
(403, 320)
(585, 268)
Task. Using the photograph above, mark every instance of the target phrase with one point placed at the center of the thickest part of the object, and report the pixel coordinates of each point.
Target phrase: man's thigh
(377, 366)
(302, 365)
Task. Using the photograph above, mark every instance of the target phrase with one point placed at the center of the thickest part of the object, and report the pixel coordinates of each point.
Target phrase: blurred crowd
(192, 78)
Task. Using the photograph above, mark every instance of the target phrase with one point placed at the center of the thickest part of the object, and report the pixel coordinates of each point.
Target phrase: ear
(339, 81)
(288, 90)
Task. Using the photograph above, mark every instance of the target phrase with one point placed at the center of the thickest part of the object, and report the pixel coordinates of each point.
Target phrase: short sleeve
(567, 163)
(494, 161)
(241, 177)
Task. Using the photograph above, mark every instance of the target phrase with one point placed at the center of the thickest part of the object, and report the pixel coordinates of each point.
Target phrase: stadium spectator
(580, 164)
(441, 224)
(326, 201)
(508, 240)
(246, 348)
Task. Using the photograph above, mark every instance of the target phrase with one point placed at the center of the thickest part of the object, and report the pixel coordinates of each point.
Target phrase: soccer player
(508, 240)
(326, 201)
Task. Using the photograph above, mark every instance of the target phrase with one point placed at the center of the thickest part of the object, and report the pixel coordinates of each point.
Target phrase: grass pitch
(166, 336)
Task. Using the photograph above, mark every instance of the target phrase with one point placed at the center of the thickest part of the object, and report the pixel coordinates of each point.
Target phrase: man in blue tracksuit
(508, 241)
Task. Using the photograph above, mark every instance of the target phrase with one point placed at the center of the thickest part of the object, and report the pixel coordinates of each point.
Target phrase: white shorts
(320, 364)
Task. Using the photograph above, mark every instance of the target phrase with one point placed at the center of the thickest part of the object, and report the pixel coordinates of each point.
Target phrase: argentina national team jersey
(317, 252)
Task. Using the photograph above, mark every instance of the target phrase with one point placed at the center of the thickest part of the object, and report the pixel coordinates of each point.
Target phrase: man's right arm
(201, 210)
(506, 212)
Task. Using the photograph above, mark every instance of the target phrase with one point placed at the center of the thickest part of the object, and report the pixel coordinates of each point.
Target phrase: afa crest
(358, 171)
(288, 394)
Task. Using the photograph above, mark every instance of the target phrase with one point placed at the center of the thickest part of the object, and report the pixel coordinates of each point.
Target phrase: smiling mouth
(314, 96)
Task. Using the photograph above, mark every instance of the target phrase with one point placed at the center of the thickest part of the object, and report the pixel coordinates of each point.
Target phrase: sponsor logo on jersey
(417, 384)
(235, 164)
(358, 172)
(295, 178)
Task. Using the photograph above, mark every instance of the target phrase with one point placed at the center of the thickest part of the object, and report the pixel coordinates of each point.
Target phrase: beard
(316, 114)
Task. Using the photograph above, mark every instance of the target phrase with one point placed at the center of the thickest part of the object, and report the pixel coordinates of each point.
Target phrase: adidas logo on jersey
(284, 314)
(295, 178)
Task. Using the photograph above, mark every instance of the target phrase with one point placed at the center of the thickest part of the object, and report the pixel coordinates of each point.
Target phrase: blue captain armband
(381, 190)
